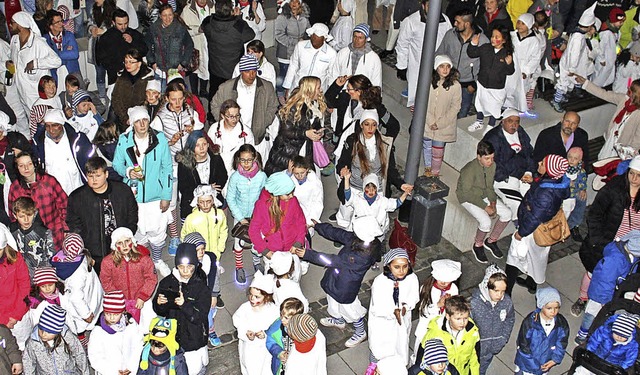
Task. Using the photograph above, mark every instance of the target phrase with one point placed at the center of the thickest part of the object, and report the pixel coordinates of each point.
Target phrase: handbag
(553, 231)
(400, 239)
(320, 156)
(194, 63)
(241, 231)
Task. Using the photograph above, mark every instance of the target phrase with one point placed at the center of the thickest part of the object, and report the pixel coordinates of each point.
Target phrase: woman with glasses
(229, 133)
(130, 89)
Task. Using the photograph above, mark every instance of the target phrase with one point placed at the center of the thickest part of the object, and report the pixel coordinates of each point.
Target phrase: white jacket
(287, 289)
(310, 195)
(308, 61)
(369, 65)
(377, 209)
(313, 362)
(342, 30)
(170, 123)
(109, 353)
(574, 60)
(84, 293)
(528, 53)
(409, 48)
(259, 27)
(625, 75)
(229, 141)
(604, 75)
(255, 359)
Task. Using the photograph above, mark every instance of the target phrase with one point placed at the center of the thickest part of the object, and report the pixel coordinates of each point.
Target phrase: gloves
(402, 74)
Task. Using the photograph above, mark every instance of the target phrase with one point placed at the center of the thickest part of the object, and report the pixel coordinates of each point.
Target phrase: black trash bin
(427, 211)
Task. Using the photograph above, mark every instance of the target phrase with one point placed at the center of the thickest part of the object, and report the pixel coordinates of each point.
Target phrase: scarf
(443, 291)
(356, 54)
(369, 200)
(628, 108)
(396, 286)
(574, 170)
(249, 174)
(53, 298)
(111, 329)
(57, 40)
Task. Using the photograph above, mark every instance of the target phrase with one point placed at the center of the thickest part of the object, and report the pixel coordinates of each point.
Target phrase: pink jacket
(15, 287)
(134, 279)
(292, 229)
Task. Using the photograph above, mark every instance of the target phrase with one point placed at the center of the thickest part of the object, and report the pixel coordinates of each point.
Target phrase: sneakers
(332, 217)
(556, 106)
(576, 236)
(162, 268)
(580, 340)
(241, 277)
(173, 246)
(214, 340)
(578, 307)
(478, 252)
(333, 322)
(355, 340)
(405, 93)
(220, 303)
(493, 248)
(477, 125)
(258, 267)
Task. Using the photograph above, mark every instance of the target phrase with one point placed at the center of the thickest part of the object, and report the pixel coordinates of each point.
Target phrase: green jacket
(463, 356)
(476, 183)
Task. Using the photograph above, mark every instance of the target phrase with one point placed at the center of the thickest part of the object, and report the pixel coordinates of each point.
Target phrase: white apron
(529, 258)
(491, 101)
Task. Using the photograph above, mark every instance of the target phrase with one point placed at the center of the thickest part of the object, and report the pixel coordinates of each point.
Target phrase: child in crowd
(605, 63)
(345, 271)
(476, 194)
(243, 190)
(394, 294)
(116, 342)
(309, 190)
(279, 344)
(82, 286)
(492, 310)
(161, 353)
(434, 361)
(86, 118)
(575, 206)
(47, 288)
(154, 98)
(229, 134)
(10, 355)
(308, 355)
(543, 335)
(435, 290)
(252, 319)
(614, 342)
(71, 85)
(627, 68)
(458, 333)
(52, 348)
(106, 140)
(283, 266)
(527, 53)
(34, 240)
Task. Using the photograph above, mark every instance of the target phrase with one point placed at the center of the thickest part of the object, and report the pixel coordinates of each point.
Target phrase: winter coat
(225, 42)
(15, 288)
(265, 105)
(605, 75)
(242, 194)
(156, 166)
(501, 20)
(508, 162)
(555, 17)
(275, 345)
(603, 220)
(289, 31)
(111, 49)
(111, 352)
(293, 228)
(212, 226)
(442, 110)
(69, 53)
(170, 123)
(192, 316)
(134, 279)
(9, 352)
(541, 203)
(169, 46)
(254, 356)
(534, 347)
(493, 66)
(192, 21)
(37, 359)
(129, 91)
(476, 183)
(189, 179)
(602, 344)
(495, 323)
(614, 265)
(455, 47)
(549, 142)
(309, 61)
(85, 215)
(463, 356)
(310, 195)
(628, 25)
(369, 65)
(345, 270)
(35, 244)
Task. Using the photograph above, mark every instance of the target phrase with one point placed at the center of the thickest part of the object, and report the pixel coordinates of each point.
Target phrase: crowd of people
(194, 144)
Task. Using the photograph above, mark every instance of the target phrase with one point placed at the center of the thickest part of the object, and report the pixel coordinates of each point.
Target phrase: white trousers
(483, 218)
(511, 194)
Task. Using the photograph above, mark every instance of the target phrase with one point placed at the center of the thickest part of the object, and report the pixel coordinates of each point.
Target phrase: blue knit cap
(546, 295)
(79, 96)
(280, 184)
(364, 29)
(52, 319)
(248, 62)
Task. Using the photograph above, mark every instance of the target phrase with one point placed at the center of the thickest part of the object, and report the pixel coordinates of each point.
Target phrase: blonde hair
(304, 94)
(117, 257)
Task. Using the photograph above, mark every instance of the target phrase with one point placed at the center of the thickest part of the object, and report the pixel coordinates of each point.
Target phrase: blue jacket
(541, 203)
(508, 162)
(345, 270)
(601, 343)
(69, 54)
(243, 192)
(614, 265)
(81, 147)
(275, 345)
(535, 348)
(156, 166)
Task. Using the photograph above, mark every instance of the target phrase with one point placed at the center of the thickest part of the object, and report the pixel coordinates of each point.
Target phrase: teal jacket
(156, 166)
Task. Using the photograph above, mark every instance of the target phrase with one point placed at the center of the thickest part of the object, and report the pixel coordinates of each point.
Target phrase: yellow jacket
(212, 226)
(463, 356)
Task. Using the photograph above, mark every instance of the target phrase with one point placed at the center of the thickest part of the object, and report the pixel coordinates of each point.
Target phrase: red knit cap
(113, 302)
(616, 14)
(556, 166)
(72, 246)
(45, 275)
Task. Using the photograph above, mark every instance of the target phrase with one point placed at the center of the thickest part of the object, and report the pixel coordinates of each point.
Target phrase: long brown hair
(10, 253)
(359, 150)
(134, 255)
(275, 212)
(304, 95)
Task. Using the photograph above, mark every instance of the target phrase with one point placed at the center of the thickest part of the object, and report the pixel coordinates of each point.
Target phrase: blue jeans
(467, 100)
(282, 74)
(210, 317)
(575, 219)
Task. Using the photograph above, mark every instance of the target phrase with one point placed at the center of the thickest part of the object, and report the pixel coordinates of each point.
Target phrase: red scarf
(628, 108)
(305, 347)
(442, 292)
(490, 17)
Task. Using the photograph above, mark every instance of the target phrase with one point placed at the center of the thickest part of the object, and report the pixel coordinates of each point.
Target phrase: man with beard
(560, 138)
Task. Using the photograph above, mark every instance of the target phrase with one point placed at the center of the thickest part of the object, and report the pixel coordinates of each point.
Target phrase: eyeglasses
(232, 117)
(245, 161)
(351, 89)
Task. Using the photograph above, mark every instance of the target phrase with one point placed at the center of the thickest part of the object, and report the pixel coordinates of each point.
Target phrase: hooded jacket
(289, 30)
(226, 37)
(602, 344)
(242, 194)
(37, 359)
(134, 279)
(464, 356)
(614, 265)
(541, 203)
(535, 348)
(15, 288)
(212, 226)
(455, 47)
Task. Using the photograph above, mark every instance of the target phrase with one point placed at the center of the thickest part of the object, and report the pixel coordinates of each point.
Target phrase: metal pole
(422, 92)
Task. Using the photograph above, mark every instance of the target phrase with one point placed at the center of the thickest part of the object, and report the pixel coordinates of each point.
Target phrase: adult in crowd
(312, 57)
(494, 16)
(115, 43)
(143, 158)
(256, 98)
(559, 138)
(226, 35)
(401, 10)
(40, 14)
(130, 87)
(62, 151)
(63, 43)
(100, 20)
(359, 58)
(301, 123)
(454, 44)
(229, 133)
(455, 7)
(552, 8)
(290, 28)
(539, 205)
(96, 209)
(266, 70)
(170, 46)
(252, 13)
(46, 192)
(11, 144)
(193, 14)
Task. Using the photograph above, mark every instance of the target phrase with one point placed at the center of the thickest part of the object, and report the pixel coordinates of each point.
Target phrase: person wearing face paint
(394, 294)
(543, 335)
(189, 305)
(279, 343)
(116, 343)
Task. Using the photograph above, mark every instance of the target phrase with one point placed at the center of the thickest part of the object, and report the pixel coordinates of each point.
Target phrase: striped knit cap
(72, 246)
(556, 166)
(394, 254)
(113, 302)
(248, 62)
(195, 238)
(364, 29)
(624, 325)
(78, 97)
(302, 327)
(434, 352)
(45, 275)
(52, 319)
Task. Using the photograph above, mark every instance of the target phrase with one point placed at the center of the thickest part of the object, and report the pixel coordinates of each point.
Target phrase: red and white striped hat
(72, 246)
(113, 302)
(556, 166)
(45, 275)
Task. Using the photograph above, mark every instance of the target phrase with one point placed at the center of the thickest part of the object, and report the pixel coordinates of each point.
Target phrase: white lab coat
(84, 293)
(604, 75)
(255, 359)
(342, 30)
(12, 96)
(313, 362)
(259, 27)
(369, 65)
(109, 353)
(527, 53)
(308, 61)
(409, 48)
(377, 209)
(574, 60)
(229, 141)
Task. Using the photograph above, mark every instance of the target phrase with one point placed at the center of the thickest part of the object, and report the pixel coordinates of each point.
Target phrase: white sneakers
(475, 126)
(162, 268)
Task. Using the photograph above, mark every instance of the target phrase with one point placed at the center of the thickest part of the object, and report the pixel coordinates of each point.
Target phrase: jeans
(467, 100)
(575, 219)
(282, 73)
(427, 145)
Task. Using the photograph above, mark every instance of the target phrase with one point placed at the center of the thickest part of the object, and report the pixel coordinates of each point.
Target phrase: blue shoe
(173, 246)
(405, 93)
(214, 340)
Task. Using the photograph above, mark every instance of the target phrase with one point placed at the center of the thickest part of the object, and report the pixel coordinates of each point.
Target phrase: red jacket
(195, 103)
(15, 282)
(134, 279)
(292, 229)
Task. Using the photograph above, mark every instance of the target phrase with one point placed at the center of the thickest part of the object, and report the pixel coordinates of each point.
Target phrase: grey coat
(169, 47)
(36, 359)
(455, 47)
(265, 104)
(9, 352)
(290, 30)
(494, 322)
